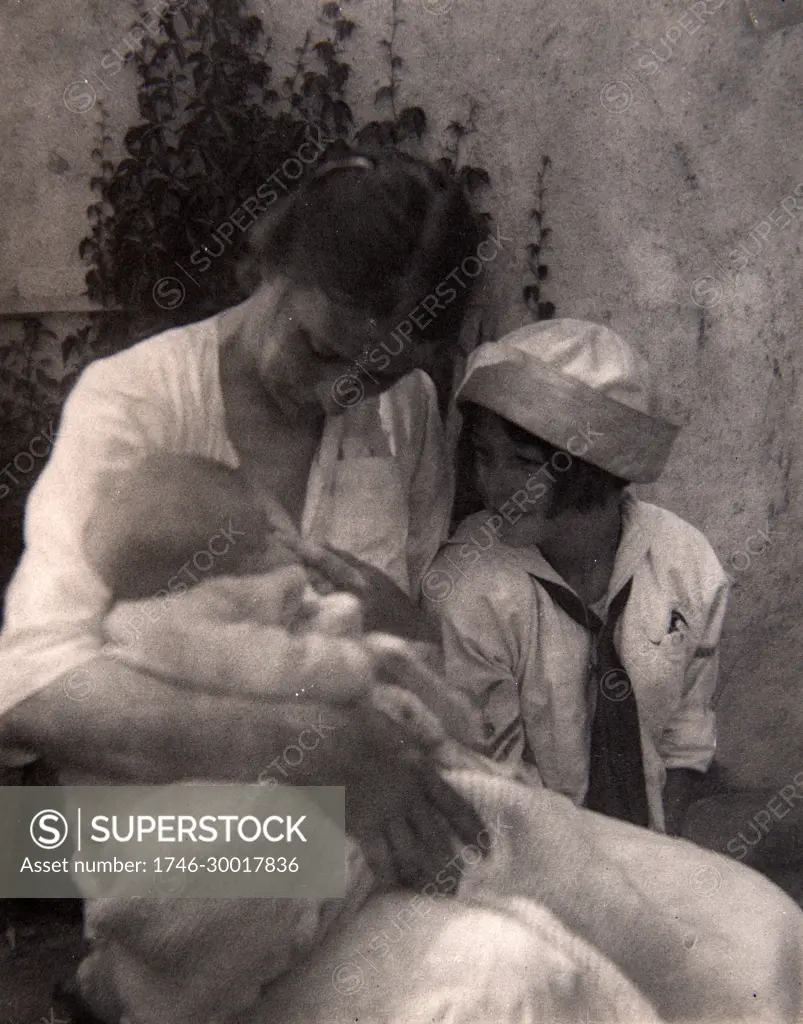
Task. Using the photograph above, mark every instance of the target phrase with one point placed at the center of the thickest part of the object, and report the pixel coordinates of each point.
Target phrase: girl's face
(512, 478)
(313, 351)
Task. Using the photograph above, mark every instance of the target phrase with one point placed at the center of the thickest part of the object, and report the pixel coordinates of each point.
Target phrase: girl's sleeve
(689, 740)
(483, 636)
(431, 488)
(56, 601)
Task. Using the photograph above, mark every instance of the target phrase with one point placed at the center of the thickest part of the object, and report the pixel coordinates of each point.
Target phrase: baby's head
(559, 418)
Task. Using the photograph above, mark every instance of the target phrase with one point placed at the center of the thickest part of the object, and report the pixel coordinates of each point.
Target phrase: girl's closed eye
(531, 462)
(319, 349)
(533, 459)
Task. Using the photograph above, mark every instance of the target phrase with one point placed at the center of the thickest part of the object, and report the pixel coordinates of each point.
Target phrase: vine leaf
(325, 51)
(474, 178)
(413, 121)
(375, 134)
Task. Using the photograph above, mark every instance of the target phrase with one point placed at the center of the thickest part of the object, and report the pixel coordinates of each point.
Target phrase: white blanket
(572, 917)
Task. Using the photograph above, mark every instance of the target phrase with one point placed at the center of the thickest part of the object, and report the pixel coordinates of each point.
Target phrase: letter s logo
(49, 829)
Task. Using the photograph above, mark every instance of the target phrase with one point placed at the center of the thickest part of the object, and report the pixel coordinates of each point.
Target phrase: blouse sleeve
(56, 601)
(481, 624)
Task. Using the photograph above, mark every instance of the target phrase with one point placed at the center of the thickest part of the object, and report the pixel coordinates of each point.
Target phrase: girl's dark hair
(381, 232)
(578, 484)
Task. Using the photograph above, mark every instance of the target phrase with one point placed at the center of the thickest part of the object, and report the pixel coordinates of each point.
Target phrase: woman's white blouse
(380, 488)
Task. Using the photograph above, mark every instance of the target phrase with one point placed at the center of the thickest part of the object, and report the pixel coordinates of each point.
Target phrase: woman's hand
(386, 608)
(410, 823)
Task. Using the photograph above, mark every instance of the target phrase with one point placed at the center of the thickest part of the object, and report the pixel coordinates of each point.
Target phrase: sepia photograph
(401, 512)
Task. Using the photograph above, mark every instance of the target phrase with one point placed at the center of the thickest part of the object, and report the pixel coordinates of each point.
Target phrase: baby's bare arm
(236, 636)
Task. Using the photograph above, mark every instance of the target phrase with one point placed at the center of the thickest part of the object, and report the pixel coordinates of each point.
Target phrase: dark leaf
(86, 248)
(546, 310)
(342, 116)
(345, 30)
(93, 284)
(543, 271)
(384, 94)
(134, 136)
(531, 293)
(325, 51)
(253, 28)
(474, 178)
(339, 74)
(413, 121)
(375, 134)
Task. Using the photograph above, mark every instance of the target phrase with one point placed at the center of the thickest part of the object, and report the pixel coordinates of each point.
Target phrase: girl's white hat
(561, 379)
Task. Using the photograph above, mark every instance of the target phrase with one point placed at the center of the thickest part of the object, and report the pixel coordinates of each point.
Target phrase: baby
(287, 616)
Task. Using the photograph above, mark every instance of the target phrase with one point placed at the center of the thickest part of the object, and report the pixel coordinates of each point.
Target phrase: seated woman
(582, 623)
(267, 389)
(312, 390)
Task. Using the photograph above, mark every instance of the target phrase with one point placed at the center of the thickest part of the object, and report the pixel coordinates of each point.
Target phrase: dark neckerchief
(616, 784)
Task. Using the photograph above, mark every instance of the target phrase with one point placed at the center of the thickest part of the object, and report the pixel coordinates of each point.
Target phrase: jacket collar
(638, 530)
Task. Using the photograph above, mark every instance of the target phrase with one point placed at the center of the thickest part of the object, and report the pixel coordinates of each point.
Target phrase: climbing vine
(218, 141)
(541, 309)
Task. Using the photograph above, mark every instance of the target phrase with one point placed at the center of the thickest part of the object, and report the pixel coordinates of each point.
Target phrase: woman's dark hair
(578, 484)
(380, 232)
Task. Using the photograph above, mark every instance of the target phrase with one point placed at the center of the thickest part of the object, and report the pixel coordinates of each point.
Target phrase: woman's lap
(455, 963)
(526, 939)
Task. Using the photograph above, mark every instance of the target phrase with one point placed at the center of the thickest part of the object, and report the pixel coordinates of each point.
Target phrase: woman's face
(314, 351)
(512, 478)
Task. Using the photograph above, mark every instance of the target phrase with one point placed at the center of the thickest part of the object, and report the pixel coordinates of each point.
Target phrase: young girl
(582, 623)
